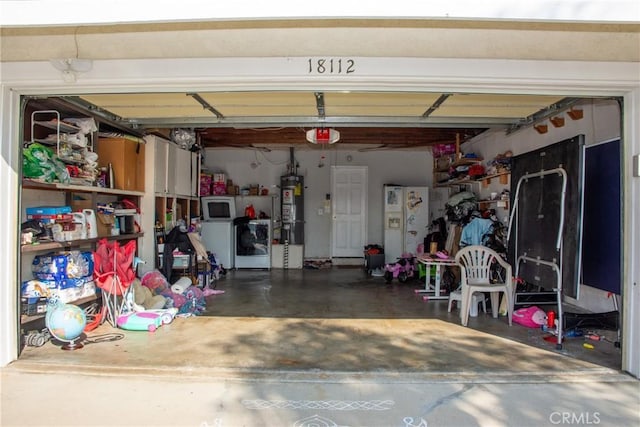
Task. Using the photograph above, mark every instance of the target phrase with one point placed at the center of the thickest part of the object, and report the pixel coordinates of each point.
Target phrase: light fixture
(323, 136)
(71, 66)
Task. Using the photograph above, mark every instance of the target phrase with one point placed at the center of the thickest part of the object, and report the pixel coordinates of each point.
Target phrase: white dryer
(253, 244)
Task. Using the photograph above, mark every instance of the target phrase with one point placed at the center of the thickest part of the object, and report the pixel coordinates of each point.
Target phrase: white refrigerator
(406, 220)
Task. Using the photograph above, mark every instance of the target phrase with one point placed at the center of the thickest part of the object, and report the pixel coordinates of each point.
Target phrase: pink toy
(530, 317)
(403, 269)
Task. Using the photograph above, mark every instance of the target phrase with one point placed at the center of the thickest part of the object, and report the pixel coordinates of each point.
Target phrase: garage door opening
(234, 158)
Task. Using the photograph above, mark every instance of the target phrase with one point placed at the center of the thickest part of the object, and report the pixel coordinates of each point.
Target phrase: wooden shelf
(53, 186)
(486, 180)
(454, 160)
(58, 125)
(455, 182)
(256, 195)
(49, 246)
(26, 319)
(460, 162)
(484, 204)
(465, 161)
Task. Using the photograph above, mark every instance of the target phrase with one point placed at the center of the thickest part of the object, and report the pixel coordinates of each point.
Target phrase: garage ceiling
(279, 119)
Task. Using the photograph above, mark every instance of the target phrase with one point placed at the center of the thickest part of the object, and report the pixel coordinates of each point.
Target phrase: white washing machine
(218, 238)
(253, 244)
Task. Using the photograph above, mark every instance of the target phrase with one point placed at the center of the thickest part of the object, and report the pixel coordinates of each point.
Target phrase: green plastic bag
(39, 162)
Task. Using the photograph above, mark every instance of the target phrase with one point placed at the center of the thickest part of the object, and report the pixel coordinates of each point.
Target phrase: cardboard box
(81, 201)
(127, 160)
(105, 223)
(219, 177)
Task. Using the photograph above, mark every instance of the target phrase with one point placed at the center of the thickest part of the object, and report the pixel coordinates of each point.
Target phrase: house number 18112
(331, 66)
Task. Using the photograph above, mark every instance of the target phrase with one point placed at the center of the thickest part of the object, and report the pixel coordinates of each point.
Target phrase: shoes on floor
(378, 272)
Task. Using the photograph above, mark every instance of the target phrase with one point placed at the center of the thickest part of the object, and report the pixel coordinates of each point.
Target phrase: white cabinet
(182, 171)
(161, 158)
(165, 154)
(289, 256)
(176, 170)
(195, 175)
(172, 167)
(173, 174)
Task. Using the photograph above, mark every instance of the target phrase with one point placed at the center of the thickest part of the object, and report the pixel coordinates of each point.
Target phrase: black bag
(176, 239)
(437, 234)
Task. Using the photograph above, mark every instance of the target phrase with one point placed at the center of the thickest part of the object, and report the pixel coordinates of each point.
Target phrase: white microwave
(218, 208)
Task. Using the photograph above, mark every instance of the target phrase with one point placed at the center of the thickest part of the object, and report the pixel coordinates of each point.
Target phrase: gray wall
(601, 122)
(397, 167)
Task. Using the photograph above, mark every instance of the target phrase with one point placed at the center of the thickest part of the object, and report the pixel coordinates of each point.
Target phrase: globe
(66, 323)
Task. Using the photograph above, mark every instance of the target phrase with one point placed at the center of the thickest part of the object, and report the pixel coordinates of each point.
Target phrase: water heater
(292, 197)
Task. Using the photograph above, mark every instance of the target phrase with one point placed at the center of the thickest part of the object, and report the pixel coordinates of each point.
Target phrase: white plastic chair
(476, 300)
(475, 266)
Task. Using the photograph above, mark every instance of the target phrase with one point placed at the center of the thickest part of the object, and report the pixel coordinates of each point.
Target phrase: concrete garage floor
(337, 319)
(312, 345)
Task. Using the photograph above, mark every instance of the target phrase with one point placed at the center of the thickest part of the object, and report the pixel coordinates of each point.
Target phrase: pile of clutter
(153, 291)
(68, 275)
(310, 264)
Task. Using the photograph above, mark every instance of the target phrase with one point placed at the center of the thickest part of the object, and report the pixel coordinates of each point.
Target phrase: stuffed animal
(145, 298)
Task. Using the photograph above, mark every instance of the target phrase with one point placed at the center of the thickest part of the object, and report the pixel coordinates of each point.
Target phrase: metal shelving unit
(62, 139)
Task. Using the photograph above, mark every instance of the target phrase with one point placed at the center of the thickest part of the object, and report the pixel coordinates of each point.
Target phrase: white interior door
(349, 194)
